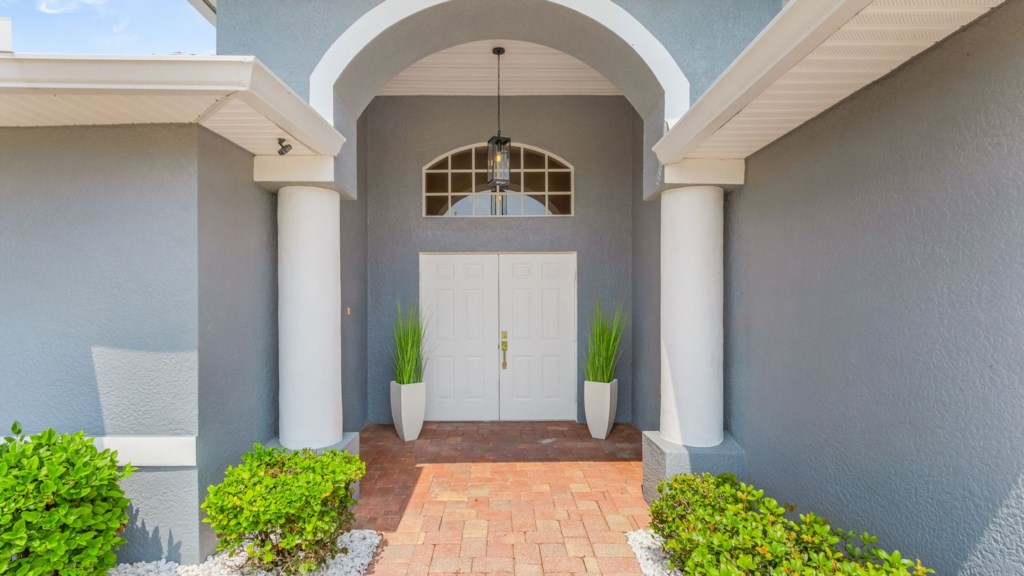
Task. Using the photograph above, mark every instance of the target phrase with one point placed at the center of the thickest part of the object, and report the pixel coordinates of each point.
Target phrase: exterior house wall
(138, 298)
(594, 134)
(876, 307)
(237, 312)
(98, 301)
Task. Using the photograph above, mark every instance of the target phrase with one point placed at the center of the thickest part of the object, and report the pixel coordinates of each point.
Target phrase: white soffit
(236, 97)
(812, 55)
(527, 69)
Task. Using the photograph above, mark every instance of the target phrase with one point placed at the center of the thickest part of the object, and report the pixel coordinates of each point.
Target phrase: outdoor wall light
(284, 148)
(499, 148)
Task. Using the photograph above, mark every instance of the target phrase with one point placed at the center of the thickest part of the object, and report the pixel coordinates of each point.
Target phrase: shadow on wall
(142, 543)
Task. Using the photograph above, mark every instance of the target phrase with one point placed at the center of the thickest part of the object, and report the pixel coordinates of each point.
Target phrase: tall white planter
(600, 400)
(408, 406)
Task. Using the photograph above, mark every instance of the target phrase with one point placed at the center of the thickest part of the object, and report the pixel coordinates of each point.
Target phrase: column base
(349, 441)
(663, 459)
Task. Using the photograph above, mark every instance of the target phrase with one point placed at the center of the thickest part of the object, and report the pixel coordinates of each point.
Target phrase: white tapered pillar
(309, 316)
(692, 296)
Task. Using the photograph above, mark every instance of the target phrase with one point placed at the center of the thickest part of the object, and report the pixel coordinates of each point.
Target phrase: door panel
(459, 298)
(538, 309)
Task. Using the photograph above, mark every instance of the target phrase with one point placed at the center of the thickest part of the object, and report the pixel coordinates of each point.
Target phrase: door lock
(504, 350)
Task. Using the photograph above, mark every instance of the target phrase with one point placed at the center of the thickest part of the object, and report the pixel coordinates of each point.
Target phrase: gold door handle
(504, 350)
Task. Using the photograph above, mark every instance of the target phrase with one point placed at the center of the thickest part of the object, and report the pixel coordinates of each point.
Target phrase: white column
(692, 262)
(309, 316)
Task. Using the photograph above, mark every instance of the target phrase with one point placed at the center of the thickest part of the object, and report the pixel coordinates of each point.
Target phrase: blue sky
(108, 27)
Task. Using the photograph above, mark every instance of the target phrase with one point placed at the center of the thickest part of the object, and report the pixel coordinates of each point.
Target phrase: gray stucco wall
(704, 36)
(353, 300)
(645, 322)
(237, 312)
(876, 307)
(98, 300)
(594, 134)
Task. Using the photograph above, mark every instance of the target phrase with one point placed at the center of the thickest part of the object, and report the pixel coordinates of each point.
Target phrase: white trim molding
(155, 451)
(811, 56)
(234, 96)
(276, 171)
(605, 12)
(724, 172)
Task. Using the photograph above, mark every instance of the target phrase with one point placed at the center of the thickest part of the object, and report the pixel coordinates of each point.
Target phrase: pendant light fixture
(498, 147)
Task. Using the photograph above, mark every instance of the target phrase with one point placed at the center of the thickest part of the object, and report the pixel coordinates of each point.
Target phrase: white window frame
(521, 170)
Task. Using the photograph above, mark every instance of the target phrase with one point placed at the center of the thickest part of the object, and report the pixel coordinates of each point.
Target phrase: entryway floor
(521, 498)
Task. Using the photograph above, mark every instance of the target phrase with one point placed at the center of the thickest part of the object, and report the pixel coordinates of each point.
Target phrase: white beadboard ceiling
(235, 97)
(527, 69)
(877, 39)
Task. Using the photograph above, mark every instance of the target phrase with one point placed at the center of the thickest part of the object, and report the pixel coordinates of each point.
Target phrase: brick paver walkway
(502, 498)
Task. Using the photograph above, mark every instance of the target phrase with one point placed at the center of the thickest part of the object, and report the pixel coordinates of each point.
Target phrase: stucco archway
(598, 32)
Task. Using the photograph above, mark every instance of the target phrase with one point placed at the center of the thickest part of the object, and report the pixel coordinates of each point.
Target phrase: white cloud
(65, 6)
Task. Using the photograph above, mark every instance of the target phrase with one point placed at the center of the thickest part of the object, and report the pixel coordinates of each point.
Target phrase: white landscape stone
(650, 553)
(361, 544)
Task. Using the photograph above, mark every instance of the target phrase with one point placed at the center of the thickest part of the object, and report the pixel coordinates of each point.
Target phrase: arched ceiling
(527, 69)
(389, 45)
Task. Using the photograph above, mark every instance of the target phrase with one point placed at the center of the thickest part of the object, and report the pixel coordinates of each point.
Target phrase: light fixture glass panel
(498, 160)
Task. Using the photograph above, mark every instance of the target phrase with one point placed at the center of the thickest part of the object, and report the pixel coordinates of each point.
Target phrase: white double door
(473, 303)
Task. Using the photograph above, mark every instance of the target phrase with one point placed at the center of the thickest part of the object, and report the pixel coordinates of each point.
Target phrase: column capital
(727, 173)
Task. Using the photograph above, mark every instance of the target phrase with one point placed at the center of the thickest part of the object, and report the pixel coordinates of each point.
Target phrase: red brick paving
(502, 498)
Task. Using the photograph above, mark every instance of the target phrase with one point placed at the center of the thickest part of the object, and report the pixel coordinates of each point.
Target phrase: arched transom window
(455, 184)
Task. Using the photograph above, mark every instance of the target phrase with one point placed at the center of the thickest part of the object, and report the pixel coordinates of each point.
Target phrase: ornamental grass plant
(603, 343)
(409, 332)
(718, 526)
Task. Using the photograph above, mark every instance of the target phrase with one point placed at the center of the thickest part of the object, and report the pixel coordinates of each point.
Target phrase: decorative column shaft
(692, 296)
(309, 316)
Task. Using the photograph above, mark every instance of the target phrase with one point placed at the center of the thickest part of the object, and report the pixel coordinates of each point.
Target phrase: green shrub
(61, 508)
(285, 509)
(718, 526)
(603, 343)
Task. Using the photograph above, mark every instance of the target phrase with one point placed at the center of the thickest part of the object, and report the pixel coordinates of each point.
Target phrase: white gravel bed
(361, 544)
(650, 553)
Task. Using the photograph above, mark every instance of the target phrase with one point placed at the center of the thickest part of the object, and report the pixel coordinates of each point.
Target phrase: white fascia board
(150, 450)
(797, 30)
(277, 171)
(272, 98)
(207, 8)
(217, 76)
(724, 172)
(168, 74)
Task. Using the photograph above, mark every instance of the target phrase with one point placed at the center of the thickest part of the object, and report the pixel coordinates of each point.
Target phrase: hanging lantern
(499, 148)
